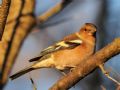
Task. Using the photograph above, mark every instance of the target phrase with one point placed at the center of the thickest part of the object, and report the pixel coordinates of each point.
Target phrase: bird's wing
(62, 45)
(70, 44)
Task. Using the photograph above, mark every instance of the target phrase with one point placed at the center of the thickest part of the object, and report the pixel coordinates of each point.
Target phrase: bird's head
(89, 29)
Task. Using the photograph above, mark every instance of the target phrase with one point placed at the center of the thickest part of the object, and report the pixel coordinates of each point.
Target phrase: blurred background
(0, 2)
(105, 14)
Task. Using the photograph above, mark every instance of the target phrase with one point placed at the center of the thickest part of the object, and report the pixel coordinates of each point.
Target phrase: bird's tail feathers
(20, 73)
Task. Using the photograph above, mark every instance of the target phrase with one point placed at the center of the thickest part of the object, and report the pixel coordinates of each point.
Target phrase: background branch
(88, 66)
(4, 9)
(57, 8)
(17, 28)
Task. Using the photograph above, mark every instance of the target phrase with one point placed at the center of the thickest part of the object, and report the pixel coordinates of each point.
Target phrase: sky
(0, 1)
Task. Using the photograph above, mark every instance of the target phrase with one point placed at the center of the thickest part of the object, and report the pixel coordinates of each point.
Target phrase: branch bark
(88, 66)
(4, 9)
(57, 8)
(19, 23)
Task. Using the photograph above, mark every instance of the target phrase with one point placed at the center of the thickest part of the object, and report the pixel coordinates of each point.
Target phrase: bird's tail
(20, 73)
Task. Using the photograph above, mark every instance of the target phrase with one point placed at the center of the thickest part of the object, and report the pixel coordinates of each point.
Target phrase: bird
(68, 53)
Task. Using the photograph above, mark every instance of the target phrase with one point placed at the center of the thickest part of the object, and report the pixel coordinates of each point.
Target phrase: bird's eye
(85, 29)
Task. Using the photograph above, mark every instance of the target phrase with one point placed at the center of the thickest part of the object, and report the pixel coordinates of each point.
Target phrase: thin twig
(33, 84)
(57, 8)
(102, 87)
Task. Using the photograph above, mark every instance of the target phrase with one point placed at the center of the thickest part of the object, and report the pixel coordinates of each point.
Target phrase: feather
(18, 74)
(58, 46)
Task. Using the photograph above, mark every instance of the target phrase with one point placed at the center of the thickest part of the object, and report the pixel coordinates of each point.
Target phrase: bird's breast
(72, 57)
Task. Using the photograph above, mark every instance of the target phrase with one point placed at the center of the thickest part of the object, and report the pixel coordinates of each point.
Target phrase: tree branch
(57, 8)
(4, 9)
(88, 66)
(17, 28)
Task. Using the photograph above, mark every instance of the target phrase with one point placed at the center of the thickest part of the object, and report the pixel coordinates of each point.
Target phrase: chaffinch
(67, 53)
